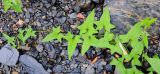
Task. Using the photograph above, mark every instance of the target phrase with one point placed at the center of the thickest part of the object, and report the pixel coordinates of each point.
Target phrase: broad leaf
(154, 62)
(104, 21)
(55, 34)
(7, 4)
(10, 40)
(72, 43)
(25, 34)
(87, 26)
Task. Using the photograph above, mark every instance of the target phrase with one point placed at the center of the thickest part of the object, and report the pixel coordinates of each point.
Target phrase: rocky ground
(51, 58)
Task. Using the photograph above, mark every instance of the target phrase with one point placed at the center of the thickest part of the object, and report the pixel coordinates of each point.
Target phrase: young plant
(10, 40)
(25, 34)
(87, 36)
(154, 62)
(103, 24)
(137, 38)
(13, 4)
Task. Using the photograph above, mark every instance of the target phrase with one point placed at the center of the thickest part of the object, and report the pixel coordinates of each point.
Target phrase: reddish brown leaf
(80, 16)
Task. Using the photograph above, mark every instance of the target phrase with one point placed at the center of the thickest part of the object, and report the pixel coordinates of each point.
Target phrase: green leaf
(92, 41)
(87, 26)
(102, 43)
(17, 7)
(136, 61)
(14, 4)
(145, 39)
(25, 34)
(150, 69)
(108, 36)
(136, 71)
(147, 22)
(55, 34)
(104, 21)
(7, 4)
(10, 40)
(72, 43)
(154, 62)
(116, 49)
(130, 71)
(124, 38)
(87, 42)
(119, 65)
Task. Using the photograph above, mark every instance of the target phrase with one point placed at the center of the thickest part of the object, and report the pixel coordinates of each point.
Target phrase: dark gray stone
(47, 5)
(53, 1)
(39, 48)
(77, 8)
(8, 55)
(73, 15)
(90, 70)
(58, 69)
(62, 20)
(54, 13)
(31, 65)
(51, 50)
(76, 52)
(108, 68)
(96, 1)
(27, 15)
(27, 20)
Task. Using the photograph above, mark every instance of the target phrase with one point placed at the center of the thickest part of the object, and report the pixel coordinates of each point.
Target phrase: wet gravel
(52, 57)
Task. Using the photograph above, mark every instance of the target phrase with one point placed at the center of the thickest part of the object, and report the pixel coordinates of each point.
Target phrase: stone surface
(31, 65)
(58, 69)
(90, 70)
(8, 55)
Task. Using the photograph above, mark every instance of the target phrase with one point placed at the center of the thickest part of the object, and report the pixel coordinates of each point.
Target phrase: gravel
(73, 15)
(42, 15)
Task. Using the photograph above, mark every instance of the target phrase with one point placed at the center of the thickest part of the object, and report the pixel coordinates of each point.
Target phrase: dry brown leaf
(20, 22)
(14, 72)
(95, 60)
(80, 16)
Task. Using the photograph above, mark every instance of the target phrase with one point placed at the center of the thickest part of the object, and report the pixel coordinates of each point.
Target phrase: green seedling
(10, 40)
(154, 62)
(13, 4)
(136, 39)
(25, 34)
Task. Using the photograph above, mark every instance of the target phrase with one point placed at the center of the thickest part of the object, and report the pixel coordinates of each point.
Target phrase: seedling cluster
(136, 39)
